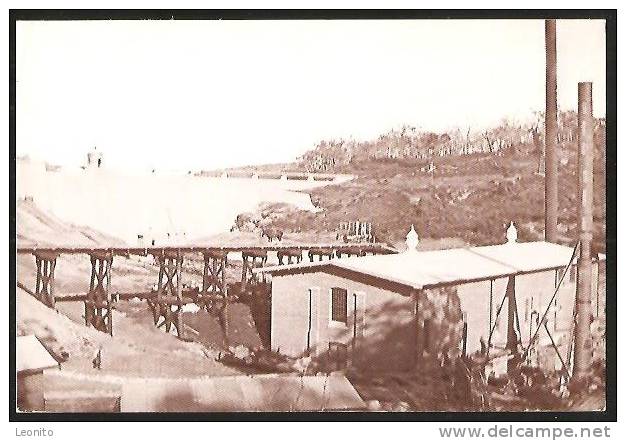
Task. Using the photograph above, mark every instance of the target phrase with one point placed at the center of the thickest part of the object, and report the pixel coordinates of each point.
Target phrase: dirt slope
(134, 350)
(137, 347)
(35, 227)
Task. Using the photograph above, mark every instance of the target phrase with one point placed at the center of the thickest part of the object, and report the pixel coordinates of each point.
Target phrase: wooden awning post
(419, 349)
(511, 336)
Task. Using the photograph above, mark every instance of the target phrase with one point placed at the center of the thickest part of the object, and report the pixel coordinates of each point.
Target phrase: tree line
(408, 142)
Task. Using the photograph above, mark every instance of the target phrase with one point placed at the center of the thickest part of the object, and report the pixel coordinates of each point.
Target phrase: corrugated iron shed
(427, 269)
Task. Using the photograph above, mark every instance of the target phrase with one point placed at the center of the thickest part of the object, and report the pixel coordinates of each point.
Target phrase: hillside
(470, 197)
(457, 187)
(35, 227)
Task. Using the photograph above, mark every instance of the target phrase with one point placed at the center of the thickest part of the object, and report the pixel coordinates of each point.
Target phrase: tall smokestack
(551, 199)
(582, 336)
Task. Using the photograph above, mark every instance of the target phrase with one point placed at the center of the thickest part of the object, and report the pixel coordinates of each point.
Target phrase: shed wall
(385, 321)
(532, 294)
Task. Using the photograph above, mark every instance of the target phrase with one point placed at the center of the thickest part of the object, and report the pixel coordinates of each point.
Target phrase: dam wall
(153, 204)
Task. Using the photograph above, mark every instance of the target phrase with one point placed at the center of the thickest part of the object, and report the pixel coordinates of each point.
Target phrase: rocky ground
(465, 199)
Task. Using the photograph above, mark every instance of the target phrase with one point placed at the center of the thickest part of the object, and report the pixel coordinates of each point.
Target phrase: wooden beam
(126, 251)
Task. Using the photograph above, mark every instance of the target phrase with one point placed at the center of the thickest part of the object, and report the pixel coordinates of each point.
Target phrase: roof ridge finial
(511, 233)
(412, 239)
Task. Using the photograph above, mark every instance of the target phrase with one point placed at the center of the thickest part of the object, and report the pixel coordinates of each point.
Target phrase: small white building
(384, 312)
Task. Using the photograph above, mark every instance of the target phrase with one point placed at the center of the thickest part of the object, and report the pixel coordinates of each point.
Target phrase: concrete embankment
(268, 392)
(153, 204)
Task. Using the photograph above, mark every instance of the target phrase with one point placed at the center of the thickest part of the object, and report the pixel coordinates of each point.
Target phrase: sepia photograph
(269, 212)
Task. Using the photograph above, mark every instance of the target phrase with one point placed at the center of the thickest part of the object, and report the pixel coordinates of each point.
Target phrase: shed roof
(426, 269)
(31, 355)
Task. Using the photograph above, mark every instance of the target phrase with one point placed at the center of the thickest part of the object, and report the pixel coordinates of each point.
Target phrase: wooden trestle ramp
(169, 298)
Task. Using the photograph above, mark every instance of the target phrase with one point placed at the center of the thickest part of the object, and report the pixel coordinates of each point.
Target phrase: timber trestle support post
(252, 259)
(98, 305)
(349, 252)
(214, 295)
(293, 255)
(168, 301)
(44, 289)
(320, 253)
(214, 288)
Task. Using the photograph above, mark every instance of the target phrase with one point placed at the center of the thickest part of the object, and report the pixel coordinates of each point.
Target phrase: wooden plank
(46, 254)
(215, 254)
(126, 251)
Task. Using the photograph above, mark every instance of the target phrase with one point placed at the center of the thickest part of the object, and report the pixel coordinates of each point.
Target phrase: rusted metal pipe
(582, 335)
(551, 199)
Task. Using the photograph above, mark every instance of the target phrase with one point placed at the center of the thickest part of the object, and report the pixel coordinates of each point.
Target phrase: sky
(192, 95)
